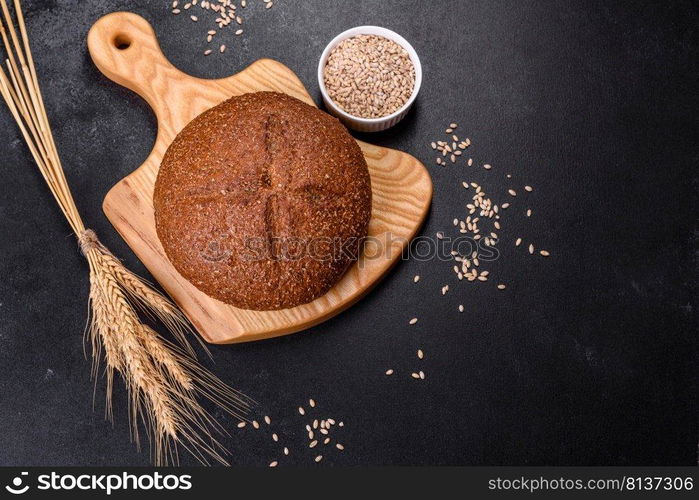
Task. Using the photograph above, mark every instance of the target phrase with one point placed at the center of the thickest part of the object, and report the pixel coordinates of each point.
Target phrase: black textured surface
(589, 357)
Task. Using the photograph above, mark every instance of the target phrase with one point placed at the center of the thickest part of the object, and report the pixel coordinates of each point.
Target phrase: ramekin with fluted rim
(369, 124)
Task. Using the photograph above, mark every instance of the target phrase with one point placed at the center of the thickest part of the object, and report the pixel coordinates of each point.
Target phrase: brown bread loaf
(262, 201)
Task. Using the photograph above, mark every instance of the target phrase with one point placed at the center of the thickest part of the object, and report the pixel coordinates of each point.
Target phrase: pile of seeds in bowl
(369, 76)
(226, 12)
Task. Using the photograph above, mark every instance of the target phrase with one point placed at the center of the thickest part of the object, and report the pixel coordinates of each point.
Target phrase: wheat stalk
(164, 380)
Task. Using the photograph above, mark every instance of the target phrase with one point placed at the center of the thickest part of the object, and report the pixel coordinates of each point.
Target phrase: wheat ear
(164, 380)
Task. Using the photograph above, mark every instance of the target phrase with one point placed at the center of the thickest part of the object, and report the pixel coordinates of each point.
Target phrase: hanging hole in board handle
(125, 49)
(122, 41)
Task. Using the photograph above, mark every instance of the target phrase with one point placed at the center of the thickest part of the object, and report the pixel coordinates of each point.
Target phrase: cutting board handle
(124, 47)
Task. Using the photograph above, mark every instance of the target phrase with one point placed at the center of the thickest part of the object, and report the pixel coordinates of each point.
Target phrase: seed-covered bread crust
(262, 201)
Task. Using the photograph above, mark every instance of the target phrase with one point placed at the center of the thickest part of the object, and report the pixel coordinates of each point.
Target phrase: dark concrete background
(589, 357)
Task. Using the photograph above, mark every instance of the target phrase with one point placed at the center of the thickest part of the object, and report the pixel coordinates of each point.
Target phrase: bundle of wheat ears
(163, 379)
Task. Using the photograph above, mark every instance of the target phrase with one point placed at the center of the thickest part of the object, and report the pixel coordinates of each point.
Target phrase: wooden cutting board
(124, 47)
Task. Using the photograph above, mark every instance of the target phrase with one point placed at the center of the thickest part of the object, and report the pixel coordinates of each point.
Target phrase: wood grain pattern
(125, 49)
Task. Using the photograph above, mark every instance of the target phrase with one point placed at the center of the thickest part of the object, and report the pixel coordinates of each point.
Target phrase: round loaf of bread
(263, 201)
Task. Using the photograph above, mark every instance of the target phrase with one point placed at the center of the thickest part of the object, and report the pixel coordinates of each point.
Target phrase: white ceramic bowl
(369, 124)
